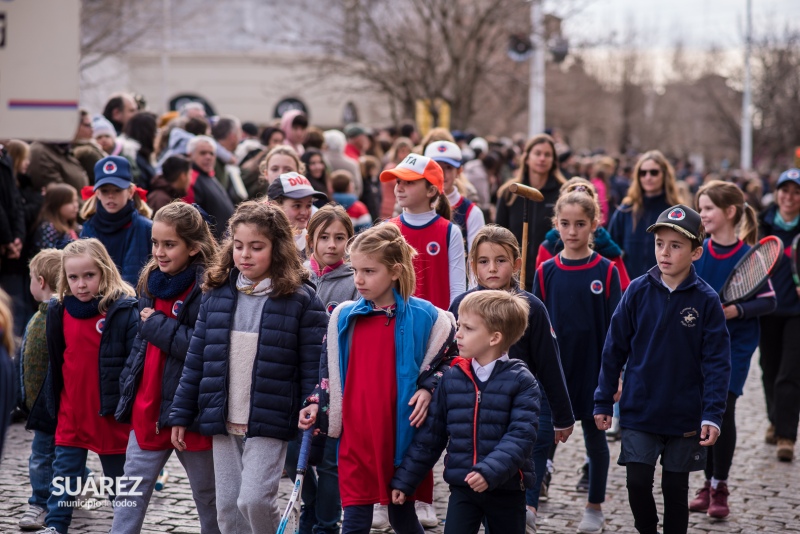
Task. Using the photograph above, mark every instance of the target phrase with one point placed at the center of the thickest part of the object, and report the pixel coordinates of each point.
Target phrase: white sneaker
(380, 517)
(33, 518)
(426, 514)
(593, 522)
(530, 522)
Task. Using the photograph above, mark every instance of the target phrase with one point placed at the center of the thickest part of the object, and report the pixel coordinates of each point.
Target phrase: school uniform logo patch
(176, 308)
(676, 215)
(110, 167)
(433, 248)
(689, 317)
(101, 323)
(330, 307)
(596, 286)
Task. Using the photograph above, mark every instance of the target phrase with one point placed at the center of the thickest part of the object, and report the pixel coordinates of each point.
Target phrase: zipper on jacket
(99, 360)
(156, 428)
(474, 418)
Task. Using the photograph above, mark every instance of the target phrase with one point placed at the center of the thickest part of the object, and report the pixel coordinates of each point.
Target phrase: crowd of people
(205, 286)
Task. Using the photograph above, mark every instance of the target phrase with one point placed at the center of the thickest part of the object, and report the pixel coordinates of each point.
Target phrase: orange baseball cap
(416, 167)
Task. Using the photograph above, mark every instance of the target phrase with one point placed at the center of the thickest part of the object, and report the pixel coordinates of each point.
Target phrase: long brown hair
(387, 245)
(189, 225)
(323, 218)
(6, 322)
(522, 174)
(635, 195)
(724, 195)
(19, 152)
(286, 271)
(55, 196)
(112, 286)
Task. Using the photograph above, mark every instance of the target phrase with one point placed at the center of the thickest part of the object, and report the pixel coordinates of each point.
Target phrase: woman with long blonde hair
(652, 191)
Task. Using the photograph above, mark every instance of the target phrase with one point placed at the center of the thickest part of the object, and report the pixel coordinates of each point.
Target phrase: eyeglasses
(651, 172)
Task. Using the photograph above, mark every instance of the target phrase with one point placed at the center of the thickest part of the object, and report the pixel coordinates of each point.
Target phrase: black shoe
(583, 484)
(548, 476)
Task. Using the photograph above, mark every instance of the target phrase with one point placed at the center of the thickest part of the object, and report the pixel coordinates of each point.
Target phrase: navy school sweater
(678, 357)
(580, 296)
(785, 290)
(539, 350)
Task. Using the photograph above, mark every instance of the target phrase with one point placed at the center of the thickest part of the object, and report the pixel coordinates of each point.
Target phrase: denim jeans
(40, 467)
(541, 450)
(322, 505)
(599, 459)
(70, 463)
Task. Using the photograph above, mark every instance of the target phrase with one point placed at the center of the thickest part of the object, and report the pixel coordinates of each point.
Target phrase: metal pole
(747, 117)
(536, 89)
(166, 21)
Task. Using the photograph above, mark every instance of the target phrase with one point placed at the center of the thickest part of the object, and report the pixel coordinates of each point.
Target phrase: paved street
(765, 494)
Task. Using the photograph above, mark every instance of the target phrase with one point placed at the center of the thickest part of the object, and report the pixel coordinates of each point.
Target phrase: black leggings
(674, 486)
(720, 455)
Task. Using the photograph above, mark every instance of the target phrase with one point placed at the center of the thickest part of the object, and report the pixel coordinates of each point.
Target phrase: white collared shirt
(484, 372)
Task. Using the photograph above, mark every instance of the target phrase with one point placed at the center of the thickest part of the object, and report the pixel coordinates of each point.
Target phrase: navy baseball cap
(792, 175)
(112, 170)
(682, 219)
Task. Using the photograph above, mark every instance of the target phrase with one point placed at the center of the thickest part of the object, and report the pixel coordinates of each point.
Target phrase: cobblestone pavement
(765, 494)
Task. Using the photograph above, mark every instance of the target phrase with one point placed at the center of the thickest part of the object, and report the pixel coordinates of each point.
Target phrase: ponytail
(749, 230)
(442, 205)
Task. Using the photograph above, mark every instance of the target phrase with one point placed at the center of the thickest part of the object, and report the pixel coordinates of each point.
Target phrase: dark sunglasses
(651, 172)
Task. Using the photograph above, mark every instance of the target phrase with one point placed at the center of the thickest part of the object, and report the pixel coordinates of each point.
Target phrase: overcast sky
(661, 23)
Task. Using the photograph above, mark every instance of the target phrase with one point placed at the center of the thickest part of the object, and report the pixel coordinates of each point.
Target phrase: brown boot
(769, 437)
(785, 449)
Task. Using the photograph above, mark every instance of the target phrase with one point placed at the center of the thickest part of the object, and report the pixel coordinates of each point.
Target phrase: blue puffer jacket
(122, 320)
(171, 336)
(490, 431)
(286, 367)
(138, 250)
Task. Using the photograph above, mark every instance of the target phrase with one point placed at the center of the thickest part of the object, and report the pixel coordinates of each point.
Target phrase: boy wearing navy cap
(669, 329)
(294, 195)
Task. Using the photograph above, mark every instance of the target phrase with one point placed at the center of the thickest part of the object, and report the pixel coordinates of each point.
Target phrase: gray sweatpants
(248, 474)
(129, 511)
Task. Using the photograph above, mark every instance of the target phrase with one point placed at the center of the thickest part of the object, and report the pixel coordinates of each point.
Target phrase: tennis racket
(290, 522)
(752, 271)
(796, 260)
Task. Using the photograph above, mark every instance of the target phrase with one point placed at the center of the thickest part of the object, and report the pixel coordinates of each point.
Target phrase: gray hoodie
(334, 287)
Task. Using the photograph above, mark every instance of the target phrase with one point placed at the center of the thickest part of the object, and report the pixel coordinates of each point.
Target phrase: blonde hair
(283, 150)
(522, 174)
(19, 152)
(501, 311)
(47, 264)
(192, 229)
(286, 271)
(90, 206)
(496, 235)
(112, 286)
(434, 135)
(724, 195)
(635, 195)
(6, 322)
(386, 244)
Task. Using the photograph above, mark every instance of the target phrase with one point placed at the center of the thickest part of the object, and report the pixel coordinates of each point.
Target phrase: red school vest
(79, 424)
(432, 263)
(147, 404)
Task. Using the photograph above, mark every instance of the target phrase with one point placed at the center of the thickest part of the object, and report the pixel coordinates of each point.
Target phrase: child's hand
(708, 435)
(178, 433)
(398, 497)
(146, 313)
(602, 421)
(563, 435)
(308, 416)
(731, 312)
(421, 400)
(476, 482)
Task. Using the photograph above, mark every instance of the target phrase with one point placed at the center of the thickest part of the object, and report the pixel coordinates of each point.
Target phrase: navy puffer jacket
(286, 367)
(122, 320)
(171, 336)
(491, 432)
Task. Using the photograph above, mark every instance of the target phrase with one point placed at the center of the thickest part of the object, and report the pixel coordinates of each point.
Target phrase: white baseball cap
(444, 151)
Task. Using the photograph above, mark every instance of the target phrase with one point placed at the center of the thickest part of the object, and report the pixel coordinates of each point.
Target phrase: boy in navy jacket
(487, 406)
(670, 330)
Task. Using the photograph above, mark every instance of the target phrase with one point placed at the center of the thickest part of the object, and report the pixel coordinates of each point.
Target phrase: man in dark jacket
(204, 189)
(487, 406)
